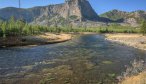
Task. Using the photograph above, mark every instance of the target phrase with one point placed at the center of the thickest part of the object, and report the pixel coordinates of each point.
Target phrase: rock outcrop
(76, 10)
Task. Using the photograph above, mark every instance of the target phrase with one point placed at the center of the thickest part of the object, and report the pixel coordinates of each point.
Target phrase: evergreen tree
(20, 25)
(11, 26)
(11, 22)
(0, 28)
(4, 26)
(143, 27)
(26, 30)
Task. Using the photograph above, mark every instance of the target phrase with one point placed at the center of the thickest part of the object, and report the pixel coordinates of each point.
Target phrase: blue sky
(100, 6)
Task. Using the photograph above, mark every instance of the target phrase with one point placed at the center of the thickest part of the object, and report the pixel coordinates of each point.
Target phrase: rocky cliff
(76, 10)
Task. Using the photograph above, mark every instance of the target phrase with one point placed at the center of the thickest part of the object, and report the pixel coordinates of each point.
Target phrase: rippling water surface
(87, 59)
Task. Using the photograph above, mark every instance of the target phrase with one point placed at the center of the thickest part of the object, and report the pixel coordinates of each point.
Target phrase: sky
(100, 6)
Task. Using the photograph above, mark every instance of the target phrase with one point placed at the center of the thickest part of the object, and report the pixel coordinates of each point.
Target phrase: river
(87, 59)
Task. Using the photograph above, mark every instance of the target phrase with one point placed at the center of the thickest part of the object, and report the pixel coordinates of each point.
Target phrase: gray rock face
(80, 10)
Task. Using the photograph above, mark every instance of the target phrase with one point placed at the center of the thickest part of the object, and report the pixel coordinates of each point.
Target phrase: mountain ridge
(118, 14)
(72, 11)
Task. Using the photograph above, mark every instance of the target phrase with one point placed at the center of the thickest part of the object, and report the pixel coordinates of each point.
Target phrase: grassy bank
(46, 38)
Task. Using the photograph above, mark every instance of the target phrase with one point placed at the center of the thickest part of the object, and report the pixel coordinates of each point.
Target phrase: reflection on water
(88, 59)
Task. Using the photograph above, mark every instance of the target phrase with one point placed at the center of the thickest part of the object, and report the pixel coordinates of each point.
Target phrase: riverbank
(139, 79)
(46, 38)
(134, 40)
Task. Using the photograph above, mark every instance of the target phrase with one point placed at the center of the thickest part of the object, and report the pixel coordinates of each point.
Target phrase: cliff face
(72, 9)
(82, 9)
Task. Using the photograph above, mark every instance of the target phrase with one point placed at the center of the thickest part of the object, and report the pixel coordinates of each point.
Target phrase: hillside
(114, 15)
(133, 18)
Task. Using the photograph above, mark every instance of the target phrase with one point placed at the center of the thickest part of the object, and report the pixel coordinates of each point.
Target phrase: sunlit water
(87, 59)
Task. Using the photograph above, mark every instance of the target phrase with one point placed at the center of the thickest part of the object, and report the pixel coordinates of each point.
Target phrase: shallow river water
(87, 59)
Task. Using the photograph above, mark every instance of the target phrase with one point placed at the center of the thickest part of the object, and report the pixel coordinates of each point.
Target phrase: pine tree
(11, 26)
(4, 26)
(143, 27)
(20, 25)
(1, 28)
(26, 29)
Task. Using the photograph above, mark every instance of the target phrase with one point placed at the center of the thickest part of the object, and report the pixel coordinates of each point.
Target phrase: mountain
(133, 18)
(74, 10)
(114, 15)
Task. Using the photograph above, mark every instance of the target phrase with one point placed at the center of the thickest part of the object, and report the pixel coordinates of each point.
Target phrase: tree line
(14, 27)
(19, 27)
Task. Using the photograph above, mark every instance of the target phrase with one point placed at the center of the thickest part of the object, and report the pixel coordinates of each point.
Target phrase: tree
(143, 27)
(11, 25)
(1, 28)
(4, 26)
(26, 30)
(20, 25)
